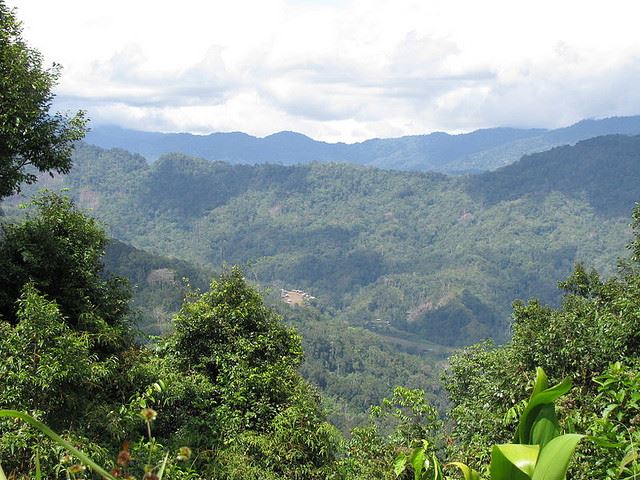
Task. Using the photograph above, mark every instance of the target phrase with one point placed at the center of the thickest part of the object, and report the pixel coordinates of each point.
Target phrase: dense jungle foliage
(399, 264)
(225, 381)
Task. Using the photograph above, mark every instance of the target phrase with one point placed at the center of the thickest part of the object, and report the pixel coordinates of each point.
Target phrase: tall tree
(240, 394)
(59, 250)
(32, 138)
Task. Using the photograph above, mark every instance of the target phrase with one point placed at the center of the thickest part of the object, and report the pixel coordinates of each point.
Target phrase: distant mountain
(508, 153)
(477, 151)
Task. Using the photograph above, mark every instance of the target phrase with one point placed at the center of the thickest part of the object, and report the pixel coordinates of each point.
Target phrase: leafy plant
(539, 452)
(615, 425)
(423, 461)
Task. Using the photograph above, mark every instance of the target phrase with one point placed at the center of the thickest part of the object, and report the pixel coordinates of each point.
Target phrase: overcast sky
(340, 70)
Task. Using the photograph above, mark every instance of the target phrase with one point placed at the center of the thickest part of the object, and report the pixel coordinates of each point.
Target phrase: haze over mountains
(476, 151)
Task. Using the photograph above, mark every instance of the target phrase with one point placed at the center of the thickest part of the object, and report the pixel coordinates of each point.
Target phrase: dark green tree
(238, 389)
(46, 369)
(241, 346)
(59, 250)
(66, 344)
(31, 138)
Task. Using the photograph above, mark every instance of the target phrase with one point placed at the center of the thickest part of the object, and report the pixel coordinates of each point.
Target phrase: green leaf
(162, 467)
(513, 461)
(605, 442)
(437, 468)
(542, 382)
(630, 457)
(2, 475)
(555, 456)
(417, 462)
(399, 464)
(467, 472)
(538, 409)
(38, 470)
(545, 425)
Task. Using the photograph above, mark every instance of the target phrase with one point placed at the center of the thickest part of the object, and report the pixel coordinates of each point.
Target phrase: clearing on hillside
(295, 297)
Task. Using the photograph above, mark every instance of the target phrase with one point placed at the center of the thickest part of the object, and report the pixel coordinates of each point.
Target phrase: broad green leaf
(399, 464)
(59, 440)
(467, 472)
(417, 462)
(2, 475)
(512, 461)
(534, 408)
(555, 456)
(542, 382)
(545, 425)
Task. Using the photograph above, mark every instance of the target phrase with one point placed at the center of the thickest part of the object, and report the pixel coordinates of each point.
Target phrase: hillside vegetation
(388, 265)
(353, 368)
(226, 382)
(421, 254)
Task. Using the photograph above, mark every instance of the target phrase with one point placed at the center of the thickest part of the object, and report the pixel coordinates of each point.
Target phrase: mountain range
(477, 151)
(423, 254)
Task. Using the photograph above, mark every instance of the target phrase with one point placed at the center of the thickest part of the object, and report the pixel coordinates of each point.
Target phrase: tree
(31, 138)
(60, 251)
(47, 369)
(66, 344)
(240, 346)
(239, 393)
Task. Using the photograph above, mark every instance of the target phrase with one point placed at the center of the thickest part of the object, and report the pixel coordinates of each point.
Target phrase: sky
(339, 70)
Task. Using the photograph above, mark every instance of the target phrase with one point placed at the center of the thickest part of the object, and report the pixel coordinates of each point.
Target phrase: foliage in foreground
(228, 384)
(596, 326)
(228, 375)
(538, 452)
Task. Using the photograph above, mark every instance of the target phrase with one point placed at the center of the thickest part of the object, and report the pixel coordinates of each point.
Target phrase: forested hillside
(226, 384)
(469, 152)
(434, 257)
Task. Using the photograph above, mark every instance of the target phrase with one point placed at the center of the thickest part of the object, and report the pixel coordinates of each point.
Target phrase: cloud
(340, 70)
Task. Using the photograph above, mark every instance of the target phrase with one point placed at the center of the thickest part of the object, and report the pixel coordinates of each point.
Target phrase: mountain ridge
(479, 150)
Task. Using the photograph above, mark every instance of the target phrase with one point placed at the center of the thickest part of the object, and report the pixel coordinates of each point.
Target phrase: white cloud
(340, 70)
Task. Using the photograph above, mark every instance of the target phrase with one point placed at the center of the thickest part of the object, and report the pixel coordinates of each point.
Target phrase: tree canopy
(59, 250)
(32, 139)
